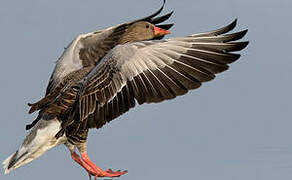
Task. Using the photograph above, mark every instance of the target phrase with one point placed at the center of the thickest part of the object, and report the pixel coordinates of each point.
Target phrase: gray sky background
(236, 127)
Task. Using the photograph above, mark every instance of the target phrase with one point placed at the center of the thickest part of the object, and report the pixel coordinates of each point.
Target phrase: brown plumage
(102, 74)
(60, 101)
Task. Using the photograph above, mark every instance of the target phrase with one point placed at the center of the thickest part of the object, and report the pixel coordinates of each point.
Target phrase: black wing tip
(243, 33)
(236, 57)
(230, 26)
(233, 23)
(157, 12)
(235, 36)
(244, 44)
(238, 46)
(169, 14)
(161, 7)
(160, 19)
(227, 28)
(150, 17)
(28, 127)
(165, 26)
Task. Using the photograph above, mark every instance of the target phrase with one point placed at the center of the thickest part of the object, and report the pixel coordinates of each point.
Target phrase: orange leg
(98, 171)
(92, 169)
(77, 159)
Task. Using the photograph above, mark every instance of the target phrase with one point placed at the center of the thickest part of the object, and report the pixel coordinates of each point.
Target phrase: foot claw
(95, 171)
(108, 173)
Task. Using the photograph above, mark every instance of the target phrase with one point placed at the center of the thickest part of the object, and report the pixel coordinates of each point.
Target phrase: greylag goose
(103, 74)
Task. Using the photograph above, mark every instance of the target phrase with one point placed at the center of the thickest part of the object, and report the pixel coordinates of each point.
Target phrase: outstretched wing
(82, 54)
(91, 47)
(153, 71)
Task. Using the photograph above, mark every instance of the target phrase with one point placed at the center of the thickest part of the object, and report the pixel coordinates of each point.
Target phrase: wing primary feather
(145, 93)
(117, 109)
(129, 92)
(136, 91)
(161, 18)
(107, 111)
(222, 30)
(194, 60)
(114, 86)
(150, 87)
(179, 57)
(181, 77)
(167, 86)
(140, 90)
(111, 91)
(223, 47)
(234, 36)
(111, 109)
(214, 56)
(157, 85)
(209, 65)
(161, 92)
(148, 18)
(125, 98)
(165, 26)
(220, 38)
(122, 105)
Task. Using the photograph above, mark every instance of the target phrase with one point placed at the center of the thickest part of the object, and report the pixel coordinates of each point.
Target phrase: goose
(103, 74)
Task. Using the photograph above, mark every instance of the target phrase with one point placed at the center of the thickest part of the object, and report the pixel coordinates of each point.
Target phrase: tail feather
(7, 163)
(15, 160)
(40, 139)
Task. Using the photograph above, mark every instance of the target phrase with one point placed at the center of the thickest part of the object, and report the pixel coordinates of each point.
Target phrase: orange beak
(160, 32)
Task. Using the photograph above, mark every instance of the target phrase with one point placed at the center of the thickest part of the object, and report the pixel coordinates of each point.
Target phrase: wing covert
(153, 71)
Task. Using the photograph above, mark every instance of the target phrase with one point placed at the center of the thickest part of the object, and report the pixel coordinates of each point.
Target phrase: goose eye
(147, 26)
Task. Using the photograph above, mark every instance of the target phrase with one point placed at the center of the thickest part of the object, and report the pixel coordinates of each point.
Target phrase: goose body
(103, 74)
